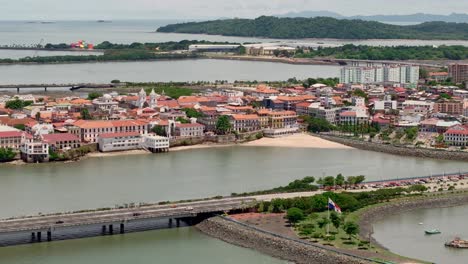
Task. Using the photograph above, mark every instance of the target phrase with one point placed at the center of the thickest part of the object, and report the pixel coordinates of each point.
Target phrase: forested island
(320, 27)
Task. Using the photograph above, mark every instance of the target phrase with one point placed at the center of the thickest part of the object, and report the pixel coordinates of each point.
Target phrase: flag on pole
(333, 206)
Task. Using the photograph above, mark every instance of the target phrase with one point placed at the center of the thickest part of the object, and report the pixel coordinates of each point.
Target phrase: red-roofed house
(62, 141)
(11, 139)
(457, 135)
(189, 130)
(244, 123)
(89, 130)
(353, 117)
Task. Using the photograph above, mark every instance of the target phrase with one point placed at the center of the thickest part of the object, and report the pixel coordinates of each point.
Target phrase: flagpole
(328, 223)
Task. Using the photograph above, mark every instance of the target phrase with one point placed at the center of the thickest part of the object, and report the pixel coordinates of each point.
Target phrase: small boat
(457, 243)
(432, 232)
(421, 223)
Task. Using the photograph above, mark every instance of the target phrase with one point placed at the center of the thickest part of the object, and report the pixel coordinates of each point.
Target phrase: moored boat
(457, 243)
(432, 232)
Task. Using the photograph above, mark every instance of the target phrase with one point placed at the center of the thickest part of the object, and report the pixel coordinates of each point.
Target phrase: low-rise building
(451, 107)
(245, 123)
(89, 130)
(119, 141)
(62, 141)
(329, 114)
(457, 135)
(11, 139)
(155, 143)
(189, 130)
(353, 117)
(34, 149)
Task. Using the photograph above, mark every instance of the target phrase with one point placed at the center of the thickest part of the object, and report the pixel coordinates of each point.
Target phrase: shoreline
(291, 141)
(398, 150)
(274, 245)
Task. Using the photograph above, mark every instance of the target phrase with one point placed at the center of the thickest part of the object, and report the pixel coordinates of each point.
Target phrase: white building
(119, 141)
(457, 135)
(189, 130)
(155, 143)
(392, 74)
(105, 103)
(386, 104)
(418, 107)
(460, 93)
(364, 75)
(34, 149)
(329, 114)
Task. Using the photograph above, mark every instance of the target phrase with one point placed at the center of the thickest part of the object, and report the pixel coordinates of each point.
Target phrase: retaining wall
(399, 150)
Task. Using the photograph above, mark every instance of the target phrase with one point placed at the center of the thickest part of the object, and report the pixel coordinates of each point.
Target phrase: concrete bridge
(113, 221)
(71, 86)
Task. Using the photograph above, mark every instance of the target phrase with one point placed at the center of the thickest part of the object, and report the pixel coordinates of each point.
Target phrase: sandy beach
(292, 141)
(296, 141)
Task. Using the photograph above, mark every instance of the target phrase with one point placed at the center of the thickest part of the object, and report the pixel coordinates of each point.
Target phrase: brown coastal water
(100, 182)
(402, 234)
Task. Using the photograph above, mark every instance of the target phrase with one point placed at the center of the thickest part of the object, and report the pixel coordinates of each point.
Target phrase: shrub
(295, 215)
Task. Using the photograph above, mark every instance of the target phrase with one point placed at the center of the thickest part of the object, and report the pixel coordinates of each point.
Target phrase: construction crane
(38, 46)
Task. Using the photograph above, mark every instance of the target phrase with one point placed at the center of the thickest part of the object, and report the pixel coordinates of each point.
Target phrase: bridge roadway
(45, 86)
(179, 210)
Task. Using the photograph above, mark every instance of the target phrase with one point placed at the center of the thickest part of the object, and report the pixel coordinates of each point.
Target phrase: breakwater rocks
(397, 150)
(274, 245)
(374, 214)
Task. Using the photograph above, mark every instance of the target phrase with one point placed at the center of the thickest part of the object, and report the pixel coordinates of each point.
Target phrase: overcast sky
(163, 9)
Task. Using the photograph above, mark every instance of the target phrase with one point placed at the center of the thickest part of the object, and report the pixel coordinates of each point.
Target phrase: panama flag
(333, 206)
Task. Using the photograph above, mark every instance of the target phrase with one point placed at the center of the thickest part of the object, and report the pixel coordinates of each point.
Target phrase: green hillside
(320, 27)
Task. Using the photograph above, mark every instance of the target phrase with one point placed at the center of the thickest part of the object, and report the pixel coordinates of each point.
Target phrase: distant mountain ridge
(416, 18)
(320, 27)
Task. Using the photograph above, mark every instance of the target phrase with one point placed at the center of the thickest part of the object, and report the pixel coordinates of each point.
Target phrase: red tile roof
(122, 134)
(108, 124)
(189, 125)
(51, 138)
(245, 117)
(8, 134)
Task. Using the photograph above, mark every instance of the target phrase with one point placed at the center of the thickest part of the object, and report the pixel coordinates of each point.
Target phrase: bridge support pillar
(17, 89)
(111, 229)
(177, 222)
(122, 228)
(49, 236)
(39, 236)
(33, 236)
(45, 89)
(170, 222)
(103, 230)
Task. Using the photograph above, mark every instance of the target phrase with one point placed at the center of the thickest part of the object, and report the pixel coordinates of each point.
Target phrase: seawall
(277, 246)
(397, 150)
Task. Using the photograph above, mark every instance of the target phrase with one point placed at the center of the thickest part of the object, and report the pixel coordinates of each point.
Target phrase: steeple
(141, 98)
(153, 100)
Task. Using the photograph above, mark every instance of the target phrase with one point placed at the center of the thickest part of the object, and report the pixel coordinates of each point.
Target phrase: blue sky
(164, 9)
